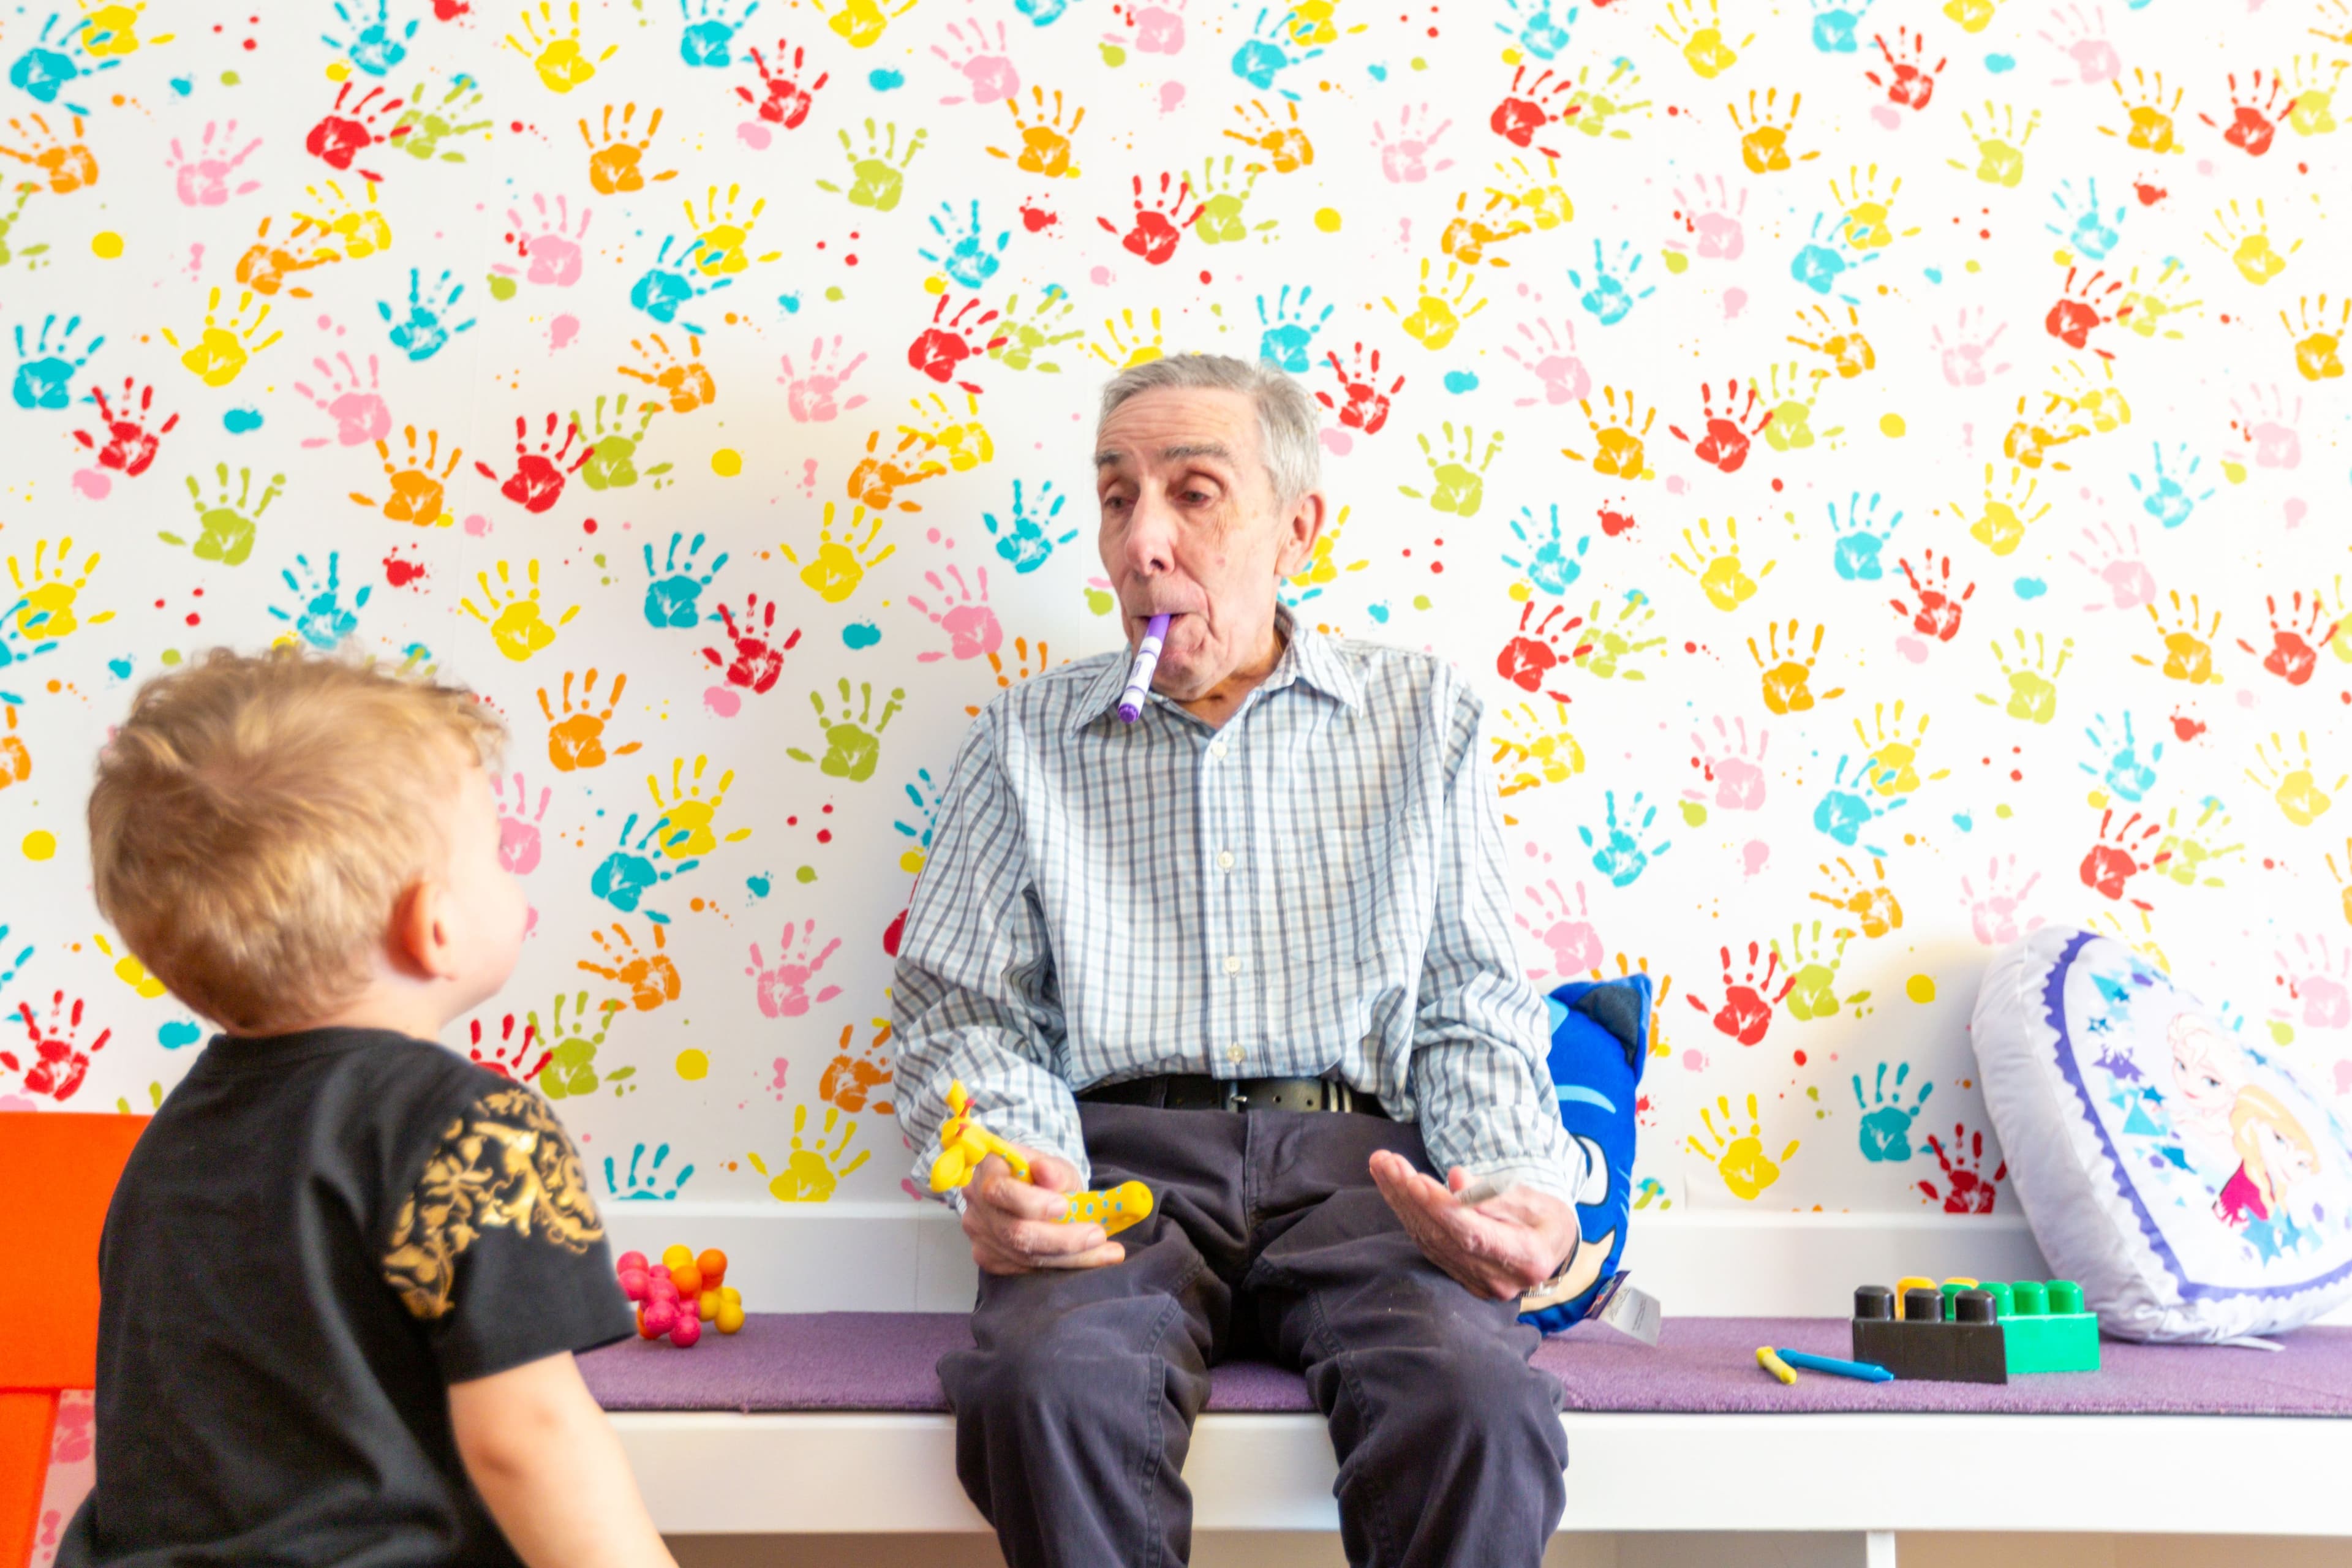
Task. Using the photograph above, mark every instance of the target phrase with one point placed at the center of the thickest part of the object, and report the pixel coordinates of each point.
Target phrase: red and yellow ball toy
(679, 1294)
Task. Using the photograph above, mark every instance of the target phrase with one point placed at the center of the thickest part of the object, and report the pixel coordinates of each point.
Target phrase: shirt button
(1224, 859)
(1217, 748)
(1234, 1053)
(1233, 965)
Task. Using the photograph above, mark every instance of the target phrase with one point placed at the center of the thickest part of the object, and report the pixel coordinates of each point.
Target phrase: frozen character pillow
(1600, 1042)
(2194, 1182)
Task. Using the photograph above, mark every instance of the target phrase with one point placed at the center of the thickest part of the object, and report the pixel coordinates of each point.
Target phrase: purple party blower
(1146, 661)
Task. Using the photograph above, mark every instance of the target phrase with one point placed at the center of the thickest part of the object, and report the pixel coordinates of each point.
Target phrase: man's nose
(1150, 544)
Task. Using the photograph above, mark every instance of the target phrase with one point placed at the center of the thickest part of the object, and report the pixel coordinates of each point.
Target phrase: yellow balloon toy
(964, 1144)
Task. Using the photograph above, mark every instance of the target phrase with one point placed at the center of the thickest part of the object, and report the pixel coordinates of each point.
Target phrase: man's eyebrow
(1217, 449)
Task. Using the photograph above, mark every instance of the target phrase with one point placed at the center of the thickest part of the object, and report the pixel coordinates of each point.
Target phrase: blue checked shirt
(1315, 889)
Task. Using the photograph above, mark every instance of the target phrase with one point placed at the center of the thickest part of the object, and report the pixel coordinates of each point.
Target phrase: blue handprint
(14, 648)
(1267, 54)
(45, 375)
(674, 594)
(965, 255)
(1623, 859)
(664, 287)
(1835, 24)
(1536, 32)
(1025, 543)
(44, 70)
(1819, 266)
(1860, 537)
(317, 614)
(1886, 1124)
(1608, 299)
(15, 963)
(2165, 497)
(926, 809)
(2081, 224)
(628, 872)
(2116, 764)
(373, 48)
(1286, 334)
(1042, 13)
(424, 329)
(710, 28)
(1550, 566)
(649, 1190)
(1845, 811)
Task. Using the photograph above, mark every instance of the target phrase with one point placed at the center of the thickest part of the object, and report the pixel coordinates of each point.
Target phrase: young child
(346, 1270)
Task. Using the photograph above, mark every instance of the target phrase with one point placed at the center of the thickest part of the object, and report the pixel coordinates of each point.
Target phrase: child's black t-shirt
(316, 1236)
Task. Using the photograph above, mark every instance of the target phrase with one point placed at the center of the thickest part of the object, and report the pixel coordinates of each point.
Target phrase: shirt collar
(1308, 657)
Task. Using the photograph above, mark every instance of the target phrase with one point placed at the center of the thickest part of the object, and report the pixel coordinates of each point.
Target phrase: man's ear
(1301, 528)
(424, 936)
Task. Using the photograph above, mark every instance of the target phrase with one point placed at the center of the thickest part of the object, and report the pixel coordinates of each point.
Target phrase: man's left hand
(1500, 1249)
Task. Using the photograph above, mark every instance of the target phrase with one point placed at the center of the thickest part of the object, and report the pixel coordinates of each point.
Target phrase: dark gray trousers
(1075, 1409)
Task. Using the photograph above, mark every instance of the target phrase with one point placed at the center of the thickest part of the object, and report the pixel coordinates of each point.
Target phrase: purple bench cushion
(883, 1360)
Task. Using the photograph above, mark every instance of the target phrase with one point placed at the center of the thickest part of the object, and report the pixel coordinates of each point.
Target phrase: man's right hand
(1013, 1224)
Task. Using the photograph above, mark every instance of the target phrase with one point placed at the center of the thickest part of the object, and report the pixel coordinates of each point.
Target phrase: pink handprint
(1402, 159)
(2129, 582)
(1715, 217)
(963, 615)
(2326, 997)
(2269, 424)
(549, 243)
(359, 413)
(1964, 357)
(783, 989)
(1738, 779)
(1555, 364)
(809, 398)
(519, 843)
(990, 73)
(202, 181)
(1575, 944)
(1993, 914)
(2083, 41)
(1160, 30)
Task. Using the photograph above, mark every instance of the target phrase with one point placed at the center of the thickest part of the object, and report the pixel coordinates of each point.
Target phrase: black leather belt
(1199, 1092)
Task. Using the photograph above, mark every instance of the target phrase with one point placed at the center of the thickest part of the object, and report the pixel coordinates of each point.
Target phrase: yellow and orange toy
(677, 1296)
(964, 1144)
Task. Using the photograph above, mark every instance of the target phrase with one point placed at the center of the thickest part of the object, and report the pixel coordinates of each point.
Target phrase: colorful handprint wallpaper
(1883, 461)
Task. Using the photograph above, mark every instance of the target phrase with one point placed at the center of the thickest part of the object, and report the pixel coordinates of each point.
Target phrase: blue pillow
(1600, 1042)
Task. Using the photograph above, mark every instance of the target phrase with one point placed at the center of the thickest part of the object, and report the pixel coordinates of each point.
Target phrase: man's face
(1191, 526)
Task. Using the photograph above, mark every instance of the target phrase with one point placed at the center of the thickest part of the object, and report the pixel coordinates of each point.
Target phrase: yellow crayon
(1774, 1364)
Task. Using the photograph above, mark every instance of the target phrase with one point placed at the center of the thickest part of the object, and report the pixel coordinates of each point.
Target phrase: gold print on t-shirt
(505, 1162)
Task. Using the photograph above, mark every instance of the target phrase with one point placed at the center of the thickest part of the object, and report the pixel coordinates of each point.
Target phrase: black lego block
(1931, 1349)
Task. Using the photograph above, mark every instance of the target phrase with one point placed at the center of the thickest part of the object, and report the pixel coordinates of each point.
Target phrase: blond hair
(2255, 1108)
(255, 819)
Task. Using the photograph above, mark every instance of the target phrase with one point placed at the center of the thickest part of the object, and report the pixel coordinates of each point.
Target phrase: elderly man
(1253, 949)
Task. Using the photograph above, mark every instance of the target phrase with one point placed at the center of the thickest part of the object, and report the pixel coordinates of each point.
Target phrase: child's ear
(424, 936)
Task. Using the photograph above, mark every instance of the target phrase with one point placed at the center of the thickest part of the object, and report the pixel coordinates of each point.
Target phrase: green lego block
(2045, 1327)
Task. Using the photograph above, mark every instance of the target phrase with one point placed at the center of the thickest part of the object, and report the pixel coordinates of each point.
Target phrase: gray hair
(1289, 429)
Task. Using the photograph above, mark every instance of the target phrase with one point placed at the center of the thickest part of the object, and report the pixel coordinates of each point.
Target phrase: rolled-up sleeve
(975, 998)
(1481, 1089)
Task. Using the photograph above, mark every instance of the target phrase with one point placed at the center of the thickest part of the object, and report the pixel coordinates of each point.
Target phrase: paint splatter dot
(692, 1065)
(179, 1032)
(1694, 814)
(1920, 988)
(238, 421)
(861, 634)
(1891, 426)
(1327, 219)
(2030, 587)
(1997, 64)
(1676, 262)
(502, 287)
(723, 700)
(759, 885)
(911, 862)
(806, 874)
(727, 462)
(1459, 381)
(40, 844)
(885, 80)
(106, 245)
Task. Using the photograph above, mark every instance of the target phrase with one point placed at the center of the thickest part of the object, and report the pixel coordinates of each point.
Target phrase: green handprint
(612, 448)
(1019, 342)
(427, 127)
(570, 1066)
(879, 180)
(1459, 489)
(852, 750)
(1812, 991)
(225, 529)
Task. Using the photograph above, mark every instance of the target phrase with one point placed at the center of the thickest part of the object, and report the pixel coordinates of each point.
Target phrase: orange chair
(49, 1315)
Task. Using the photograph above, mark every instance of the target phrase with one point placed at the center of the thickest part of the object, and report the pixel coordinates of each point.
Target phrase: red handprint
(537, 483)
(1747, 1002)
(1523, 111)
(1528, 658)
(2253, 113)
(58, 1064)
(2113, 859)
(1159, 225)
(2293, 656)
(130, 446)
(341, 137)
(1726, 443)
(785, 101)
(506, 1057)
(1939, 612)
(757, 658)
(947, 344)
(1367, 408)
(1909, 82)
(1966, 1189)
(2078, 313)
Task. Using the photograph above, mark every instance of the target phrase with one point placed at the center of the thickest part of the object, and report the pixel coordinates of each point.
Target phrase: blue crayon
(1861, 1369)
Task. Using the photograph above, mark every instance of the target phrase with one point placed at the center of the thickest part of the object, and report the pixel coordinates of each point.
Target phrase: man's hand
(1012, 1224)
(1500, 1250)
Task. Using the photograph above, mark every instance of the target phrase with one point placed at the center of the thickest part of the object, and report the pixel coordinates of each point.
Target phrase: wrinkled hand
(1012, 1224)
(1499, 1250)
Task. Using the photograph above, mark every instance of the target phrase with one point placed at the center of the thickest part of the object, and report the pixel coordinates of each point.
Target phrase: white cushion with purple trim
(2198, 1187)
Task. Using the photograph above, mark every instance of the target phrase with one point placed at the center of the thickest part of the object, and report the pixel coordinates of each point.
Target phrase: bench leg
(1761, 1549)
